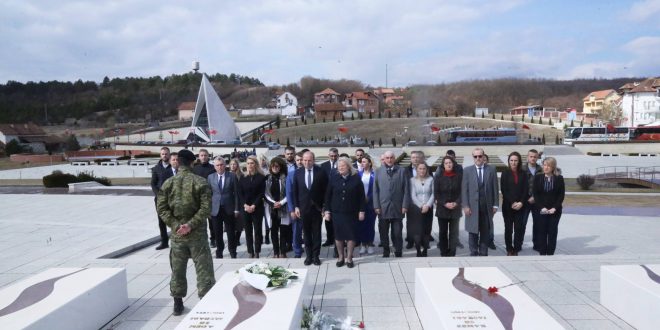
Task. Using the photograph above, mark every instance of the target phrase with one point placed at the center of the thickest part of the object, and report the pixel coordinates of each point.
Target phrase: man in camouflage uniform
(184, 204)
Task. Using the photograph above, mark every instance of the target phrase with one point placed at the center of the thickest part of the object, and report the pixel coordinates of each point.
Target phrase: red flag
(435, 129)
(610, 128)
(343, 129)
(269, 131)
(525, 126)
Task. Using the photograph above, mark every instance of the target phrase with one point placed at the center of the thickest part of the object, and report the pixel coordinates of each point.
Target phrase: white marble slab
(632, 292)
(65, 298)
(458, 298)
(282, 308)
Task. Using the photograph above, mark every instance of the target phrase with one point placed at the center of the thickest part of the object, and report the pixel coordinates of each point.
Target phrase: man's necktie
(480, 177)
(309, 179)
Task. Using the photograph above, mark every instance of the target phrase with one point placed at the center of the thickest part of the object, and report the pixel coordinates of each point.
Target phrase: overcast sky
(279, 42)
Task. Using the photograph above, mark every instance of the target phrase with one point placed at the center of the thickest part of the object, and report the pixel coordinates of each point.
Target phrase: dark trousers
(253, 230)
(548, 226)
(448, 236)
(329, 232)
(535, 214)
(396, 227)
(280, 234)
(409, 235)
(224, 221)
(162, 227)
(479, 241)
(211, 230)
(311, 227)
(419, 226)
(514, 229)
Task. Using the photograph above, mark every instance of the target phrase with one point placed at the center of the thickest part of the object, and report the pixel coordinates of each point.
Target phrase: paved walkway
(43, 231)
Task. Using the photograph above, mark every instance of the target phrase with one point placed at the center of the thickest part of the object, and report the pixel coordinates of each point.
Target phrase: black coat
(204, 170)
(345, 196)
(158, 175)
(251, 189)
(549, 199)
(512, 192)
(303, 198)
(447, 189)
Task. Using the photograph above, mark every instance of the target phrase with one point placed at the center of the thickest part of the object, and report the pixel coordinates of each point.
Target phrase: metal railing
(650, 173)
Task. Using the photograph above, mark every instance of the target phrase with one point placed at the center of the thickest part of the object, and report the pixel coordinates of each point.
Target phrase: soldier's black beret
(187, 154)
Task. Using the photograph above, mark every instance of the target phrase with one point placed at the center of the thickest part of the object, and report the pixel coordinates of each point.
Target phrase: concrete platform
(43, 231)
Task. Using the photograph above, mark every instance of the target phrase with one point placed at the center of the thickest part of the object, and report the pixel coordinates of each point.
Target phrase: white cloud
(643, 10)
(281, 41)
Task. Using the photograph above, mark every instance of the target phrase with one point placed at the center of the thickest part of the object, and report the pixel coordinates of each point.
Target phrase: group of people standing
(295, 196)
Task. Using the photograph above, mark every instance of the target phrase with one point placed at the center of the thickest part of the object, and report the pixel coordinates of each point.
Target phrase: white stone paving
(43, 231)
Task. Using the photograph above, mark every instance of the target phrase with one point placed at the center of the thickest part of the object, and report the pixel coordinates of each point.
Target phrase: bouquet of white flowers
(314, 319)
(261, 275)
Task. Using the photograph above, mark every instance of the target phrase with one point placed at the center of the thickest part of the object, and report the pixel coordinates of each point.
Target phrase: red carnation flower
(492, 289)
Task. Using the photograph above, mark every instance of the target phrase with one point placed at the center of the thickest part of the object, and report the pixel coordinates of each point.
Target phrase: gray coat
(229, 194)
(391, 194)
(470, 195)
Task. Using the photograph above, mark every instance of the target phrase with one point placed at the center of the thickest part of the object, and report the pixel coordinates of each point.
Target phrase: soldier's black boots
(178, 307)
(162, 246)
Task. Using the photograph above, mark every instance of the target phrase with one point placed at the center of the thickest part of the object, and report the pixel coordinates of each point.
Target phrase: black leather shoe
(386, 254)
(409, 245)
(327, 243)
(419, 253)
(218, 254)
(431, 239)
(350, 264)
(492, 246)
(308, 261)
(340, 263)
(460, 245)
(425, 253)
(213, 244)
(162, 246)
(317, 261)
(178, 307)
(398, 254)
(232, 255)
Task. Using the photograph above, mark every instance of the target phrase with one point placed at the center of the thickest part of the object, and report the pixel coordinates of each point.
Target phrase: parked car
(217, 142)
(411, 143)
(260, 143)
(273, 146)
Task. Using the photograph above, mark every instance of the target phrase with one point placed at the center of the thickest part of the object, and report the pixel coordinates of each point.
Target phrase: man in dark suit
(159, 173)
(224, 206)
(532, 168)
(480, 201)
(309, 185)
(330, 168)
(359, 154)
(204, 169)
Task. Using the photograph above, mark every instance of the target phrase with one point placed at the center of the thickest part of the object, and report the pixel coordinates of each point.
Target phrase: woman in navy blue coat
(345, 204)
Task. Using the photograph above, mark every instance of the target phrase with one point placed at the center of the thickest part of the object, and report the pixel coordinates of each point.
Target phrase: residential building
(595, 102)
(327, 96)
(641, 102)
(30, 135)
(287, 104)
(361, 102)
(186, 110)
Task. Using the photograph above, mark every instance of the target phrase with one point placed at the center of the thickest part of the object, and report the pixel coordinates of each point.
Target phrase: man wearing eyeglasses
(480, 199)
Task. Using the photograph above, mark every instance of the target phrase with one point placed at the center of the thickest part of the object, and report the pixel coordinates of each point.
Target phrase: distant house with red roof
(595, 102)
(327, 104)
(361, 102)
(186, 110)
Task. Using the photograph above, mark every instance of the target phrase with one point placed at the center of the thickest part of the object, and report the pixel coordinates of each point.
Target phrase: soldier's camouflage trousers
(200, 253)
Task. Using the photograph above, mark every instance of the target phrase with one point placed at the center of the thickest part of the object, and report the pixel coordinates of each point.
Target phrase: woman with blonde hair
(549, 191)
(420, 212)
(251, 189)
(345, 204)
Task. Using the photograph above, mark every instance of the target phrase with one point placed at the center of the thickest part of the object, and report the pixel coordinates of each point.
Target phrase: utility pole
(385, 75)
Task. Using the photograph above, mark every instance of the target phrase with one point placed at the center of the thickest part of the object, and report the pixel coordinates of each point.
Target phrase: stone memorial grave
(475, 298)
(632, 292)
(234, 304)
(64, 298)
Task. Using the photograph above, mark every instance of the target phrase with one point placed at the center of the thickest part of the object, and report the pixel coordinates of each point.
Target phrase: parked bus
(646, 133)
(595, 134)
(503, 135)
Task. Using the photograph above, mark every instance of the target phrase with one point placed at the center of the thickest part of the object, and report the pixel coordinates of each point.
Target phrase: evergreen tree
(71, 143)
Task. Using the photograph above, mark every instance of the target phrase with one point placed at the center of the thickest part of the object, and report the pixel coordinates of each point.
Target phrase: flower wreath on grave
(261, 275)
(314, 319)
